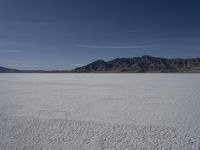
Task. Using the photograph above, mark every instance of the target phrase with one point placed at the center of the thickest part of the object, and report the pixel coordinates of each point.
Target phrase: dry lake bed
(99, 111)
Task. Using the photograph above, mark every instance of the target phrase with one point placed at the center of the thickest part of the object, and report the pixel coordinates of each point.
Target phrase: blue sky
(64, 34)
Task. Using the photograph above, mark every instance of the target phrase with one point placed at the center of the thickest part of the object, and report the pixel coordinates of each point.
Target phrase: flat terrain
(99, 111)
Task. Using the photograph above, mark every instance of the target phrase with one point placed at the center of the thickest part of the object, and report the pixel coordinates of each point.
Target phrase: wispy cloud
(77, 65)
(23, 65)
(10, 51)
(114, 46)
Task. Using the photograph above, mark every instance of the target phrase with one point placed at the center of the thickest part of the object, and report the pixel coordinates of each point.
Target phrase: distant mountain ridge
(142, 64)
(8, 70)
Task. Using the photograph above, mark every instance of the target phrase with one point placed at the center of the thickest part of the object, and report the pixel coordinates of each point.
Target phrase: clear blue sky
(63, 34)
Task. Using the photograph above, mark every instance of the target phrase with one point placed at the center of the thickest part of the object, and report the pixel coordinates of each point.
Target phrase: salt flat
(99, 111)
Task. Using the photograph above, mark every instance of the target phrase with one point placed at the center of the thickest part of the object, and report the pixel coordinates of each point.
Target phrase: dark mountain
(7, 70)
(141, 65)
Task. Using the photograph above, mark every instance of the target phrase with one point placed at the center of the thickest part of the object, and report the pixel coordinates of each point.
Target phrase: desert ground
(99, 111)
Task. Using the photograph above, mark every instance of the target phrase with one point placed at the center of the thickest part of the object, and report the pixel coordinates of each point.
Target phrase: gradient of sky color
(64, 34)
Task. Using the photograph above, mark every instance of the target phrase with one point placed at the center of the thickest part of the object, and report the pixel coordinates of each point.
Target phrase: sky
(64, 34)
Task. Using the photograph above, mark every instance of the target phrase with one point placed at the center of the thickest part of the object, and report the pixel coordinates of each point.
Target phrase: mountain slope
(142, 64)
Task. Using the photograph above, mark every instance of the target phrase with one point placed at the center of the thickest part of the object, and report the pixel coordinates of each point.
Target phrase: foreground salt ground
(99, 111)
(64, 134)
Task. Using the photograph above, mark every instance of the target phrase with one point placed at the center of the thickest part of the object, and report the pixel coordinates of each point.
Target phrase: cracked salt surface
(99, 111)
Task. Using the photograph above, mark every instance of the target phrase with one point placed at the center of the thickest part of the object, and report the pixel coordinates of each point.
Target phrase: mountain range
(144, 64)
